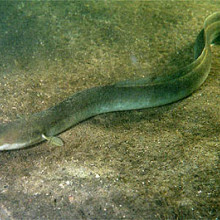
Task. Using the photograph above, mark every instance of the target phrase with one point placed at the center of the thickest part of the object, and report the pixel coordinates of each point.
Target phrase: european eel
(124, 95)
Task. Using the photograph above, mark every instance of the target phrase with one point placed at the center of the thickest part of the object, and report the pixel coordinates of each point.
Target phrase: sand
(157, 163)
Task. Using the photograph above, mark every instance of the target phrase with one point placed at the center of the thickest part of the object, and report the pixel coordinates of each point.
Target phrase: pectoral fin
(53, 140)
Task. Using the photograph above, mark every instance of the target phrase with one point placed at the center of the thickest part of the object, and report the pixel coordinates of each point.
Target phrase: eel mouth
(7, 146)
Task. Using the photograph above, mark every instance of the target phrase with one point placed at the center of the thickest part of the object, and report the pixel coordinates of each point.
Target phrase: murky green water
(159, 163)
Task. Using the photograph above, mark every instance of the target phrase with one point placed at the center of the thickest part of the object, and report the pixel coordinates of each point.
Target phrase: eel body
(125, 95)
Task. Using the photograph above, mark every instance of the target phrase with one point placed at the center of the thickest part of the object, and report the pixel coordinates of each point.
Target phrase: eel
(124, 95)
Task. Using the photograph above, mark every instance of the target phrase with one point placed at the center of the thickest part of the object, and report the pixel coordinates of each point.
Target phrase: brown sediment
(159, 163)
